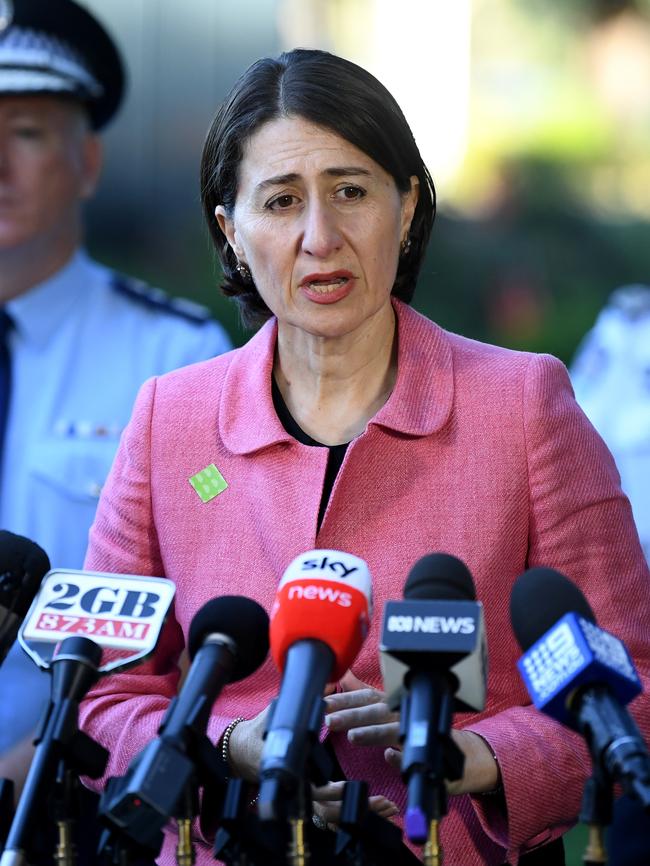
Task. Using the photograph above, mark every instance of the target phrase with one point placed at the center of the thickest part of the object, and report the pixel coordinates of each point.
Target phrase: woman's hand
(362, 712)
(245, 747)
(481, 771)
(327, 802)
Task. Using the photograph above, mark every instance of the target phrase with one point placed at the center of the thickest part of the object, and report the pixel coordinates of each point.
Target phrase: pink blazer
(480, 452)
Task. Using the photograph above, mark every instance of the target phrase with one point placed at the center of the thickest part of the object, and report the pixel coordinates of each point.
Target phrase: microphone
(580, 675)
(74, 669)
(319, 620)
(23, 565)
(123, 613)
(228, 641)
(433, 661)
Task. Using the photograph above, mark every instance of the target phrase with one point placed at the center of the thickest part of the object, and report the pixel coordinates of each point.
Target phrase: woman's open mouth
(327, 288)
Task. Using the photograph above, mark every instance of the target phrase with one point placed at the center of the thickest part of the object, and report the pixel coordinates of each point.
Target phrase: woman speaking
(351, 422)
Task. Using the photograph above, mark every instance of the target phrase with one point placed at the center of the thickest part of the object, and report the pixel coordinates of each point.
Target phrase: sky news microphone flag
(319, 621)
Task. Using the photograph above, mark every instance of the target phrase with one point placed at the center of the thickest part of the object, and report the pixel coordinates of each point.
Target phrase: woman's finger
(357, 717)
(330, 812)
(375, 735)
(348, 700)
(382, 806)
(330, 792)
(393, 758)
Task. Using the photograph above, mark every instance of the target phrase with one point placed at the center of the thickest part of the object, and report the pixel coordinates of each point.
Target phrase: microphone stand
(235, 838)
(185, 854)
(363, 838)
(117, 848)
(295, 762)
(65, 852)
(596, 814)
(242, 839)
(298, 853)
(74, 670)
(430, 757)
(163, 783)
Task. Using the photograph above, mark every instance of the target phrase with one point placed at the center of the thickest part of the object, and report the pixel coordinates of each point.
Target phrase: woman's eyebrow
(291, 177)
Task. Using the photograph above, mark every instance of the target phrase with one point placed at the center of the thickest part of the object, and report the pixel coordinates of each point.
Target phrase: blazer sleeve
(580, 523)
(124, 711)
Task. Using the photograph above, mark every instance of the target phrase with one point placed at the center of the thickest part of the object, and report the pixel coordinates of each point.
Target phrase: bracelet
(225, 744)
(225, 739)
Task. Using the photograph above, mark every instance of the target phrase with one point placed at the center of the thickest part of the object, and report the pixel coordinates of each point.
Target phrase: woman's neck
(334, 385)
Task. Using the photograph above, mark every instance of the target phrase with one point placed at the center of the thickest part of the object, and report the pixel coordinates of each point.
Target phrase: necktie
(6, 324)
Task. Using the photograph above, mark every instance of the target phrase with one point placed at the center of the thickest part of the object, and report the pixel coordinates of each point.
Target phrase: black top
(336, 452)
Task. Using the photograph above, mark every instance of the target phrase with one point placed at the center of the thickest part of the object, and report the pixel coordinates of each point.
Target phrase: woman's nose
(321, 236)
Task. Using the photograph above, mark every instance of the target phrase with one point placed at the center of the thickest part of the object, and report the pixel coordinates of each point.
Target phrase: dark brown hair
(337, 95)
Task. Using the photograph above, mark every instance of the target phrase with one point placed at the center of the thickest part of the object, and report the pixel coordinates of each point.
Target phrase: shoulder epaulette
(148, 296)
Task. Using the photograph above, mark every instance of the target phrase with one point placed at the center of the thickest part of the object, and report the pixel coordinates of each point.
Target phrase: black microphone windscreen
(442, 577)
(242, 620)
(539, 598)
(23, 565)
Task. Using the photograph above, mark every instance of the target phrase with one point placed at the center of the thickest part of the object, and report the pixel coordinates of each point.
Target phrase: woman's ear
(409, 204)
(227, 226)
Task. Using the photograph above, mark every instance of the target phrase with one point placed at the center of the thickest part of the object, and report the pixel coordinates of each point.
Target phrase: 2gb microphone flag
(121, 612)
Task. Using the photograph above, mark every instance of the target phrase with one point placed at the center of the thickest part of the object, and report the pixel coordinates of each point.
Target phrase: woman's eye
(349, 193)
(282, 202)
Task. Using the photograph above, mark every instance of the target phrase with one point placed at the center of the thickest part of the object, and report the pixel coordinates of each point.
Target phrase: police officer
(76, 339)
(611, 378)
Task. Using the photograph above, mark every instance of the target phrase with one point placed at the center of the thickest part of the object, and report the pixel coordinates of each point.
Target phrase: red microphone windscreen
(324, 595)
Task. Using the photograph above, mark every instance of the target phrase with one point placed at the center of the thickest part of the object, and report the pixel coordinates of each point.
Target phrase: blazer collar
(420, 404)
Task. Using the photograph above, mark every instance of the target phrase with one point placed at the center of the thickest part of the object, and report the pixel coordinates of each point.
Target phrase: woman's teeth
(328, 286)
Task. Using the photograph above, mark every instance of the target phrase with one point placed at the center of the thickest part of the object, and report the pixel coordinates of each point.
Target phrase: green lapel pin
(208, 483)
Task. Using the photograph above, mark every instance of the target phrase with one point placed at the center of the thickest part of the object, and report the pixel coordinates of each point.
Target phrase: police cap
(58, 47)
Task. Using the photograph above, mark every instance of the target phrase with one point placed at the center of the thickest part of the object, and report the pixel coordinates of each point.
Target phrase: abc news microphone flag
(434, 662)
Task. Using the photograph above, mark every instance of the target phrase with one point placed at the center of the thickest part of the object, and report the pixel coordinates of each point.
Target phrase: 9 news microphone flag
(580, 675)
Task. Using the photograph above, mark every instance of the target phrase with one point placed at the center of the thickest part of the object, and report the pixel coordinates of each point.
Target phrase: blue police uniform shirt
(611, 379)
(82, 344)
